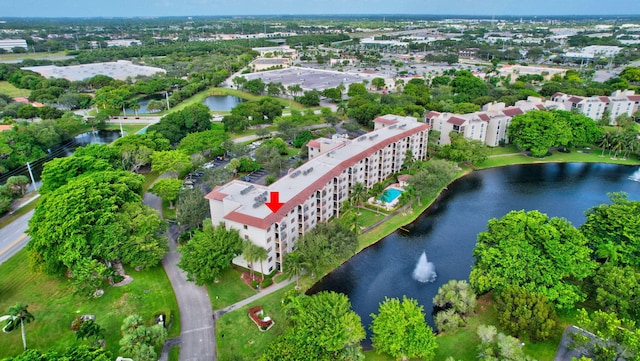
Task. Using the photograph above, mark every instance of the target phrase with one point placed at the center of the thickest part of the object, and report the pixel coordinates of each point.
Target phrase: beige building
(488, 125)
(620, 102)
(314, 192)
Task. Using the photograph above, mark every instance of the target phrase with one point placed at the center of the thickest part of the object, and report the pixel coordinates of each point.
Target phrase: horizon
(73, 9)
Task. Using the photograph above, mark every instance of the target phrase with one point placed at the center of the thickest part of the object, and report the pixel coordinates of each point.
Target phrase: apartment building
(489, 125)
(314, 192)
(620, 102)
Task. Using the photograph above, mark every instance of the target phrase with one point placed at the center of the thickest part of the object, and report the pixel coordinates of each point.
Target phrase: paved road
(197, 329)
(13, 238)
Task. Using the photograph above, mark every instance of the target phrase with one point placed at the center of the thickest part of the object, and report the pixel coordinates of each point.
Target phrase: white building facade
(314, 192)
(620, 102)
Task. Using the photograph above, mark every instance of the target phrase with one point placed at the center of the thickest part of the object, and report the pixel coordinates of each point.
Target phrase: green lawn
(52, 302)
(238, 338)
(10, 90)
(229, 290)
(174, 353)
(595, 156)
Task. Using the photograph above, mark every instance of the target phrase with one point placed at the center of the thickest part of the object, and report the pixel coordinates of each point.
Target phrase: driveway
(197, 330)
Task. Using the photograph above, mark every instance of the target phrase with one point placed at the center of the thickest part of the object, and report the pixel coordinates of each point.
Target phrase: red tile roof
(313, 143)
(456, 121)
(604, 99)
(512, 111)
(634, 98)
(300, 198)
(432, 114)
(557, 94)
(540, 106)
(484, 117)
(575, 99)
(385, 121)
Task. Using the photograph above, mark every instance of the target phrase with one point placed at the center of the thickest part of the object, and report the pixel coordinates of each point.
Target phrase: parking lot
(310, 78)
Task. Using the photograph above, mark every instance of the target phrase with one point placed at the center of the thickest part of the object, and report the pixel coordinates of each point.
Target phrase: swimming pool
(390, 195)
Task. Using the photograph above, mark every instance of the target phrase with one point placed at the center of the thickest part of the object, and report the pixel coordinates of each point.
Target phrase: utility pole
(33, 180)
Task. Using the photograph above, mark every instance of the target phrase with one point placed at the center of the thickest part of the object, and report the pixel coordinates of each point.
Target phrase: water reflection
(447, 231)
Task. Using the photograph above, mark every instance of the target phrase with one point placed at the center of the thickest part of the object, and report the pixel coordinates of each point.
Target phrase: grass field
(52, 302)
(229, 290)
(238, 338)
(8, 89)
(584, 156)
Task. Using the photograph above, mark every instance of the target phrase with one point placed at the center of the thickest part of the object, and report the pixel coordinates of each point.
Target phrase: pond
(62, 150)
(222, 102)
(447, 230)
(143, 102)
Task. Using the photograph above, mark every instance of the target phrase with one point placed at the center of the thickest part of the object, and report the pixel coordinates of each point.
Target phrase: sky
(136, 8)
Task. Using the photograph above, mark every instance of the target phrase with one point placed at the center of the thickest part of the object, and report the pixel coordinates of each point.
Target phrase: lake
(447, 230)
(222, 102)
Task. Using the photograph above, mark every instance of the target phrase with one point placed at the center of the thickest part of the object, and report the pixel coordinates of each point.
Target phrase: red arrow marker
(274, 203)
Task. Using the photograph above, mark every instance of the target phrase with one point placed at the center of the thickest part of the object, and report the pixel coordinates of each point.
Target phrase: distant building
(620, 102)
(270, 63)
(315, 192)
(594, 51)
(277, 51)
(489, 125)
(9, 44)
(121, 70)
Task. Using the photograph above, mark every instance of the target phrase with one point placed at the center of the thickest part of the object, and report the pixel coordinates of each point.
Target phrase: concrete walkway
(257, 296)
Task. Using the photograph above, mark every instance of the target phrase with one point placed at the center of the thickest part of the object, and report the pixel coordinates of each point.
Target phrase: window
(245, 226)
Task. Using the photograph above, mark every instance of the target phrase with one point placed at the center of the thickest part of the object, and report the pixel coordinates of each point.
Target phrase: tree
(378, 83)
(192, 208)
(90, 330)
(18, 315)
(464, 150)
(18, 184)
(173, 162)
(537, 131)
(458, 296)
(358, 194)
(75, 353)
(523, 313)
(326, 244)
(100, 216)
(101, 151)
(614, 226)
(498, 346)
(617, 289)
(235, 123)
(59, 171)
(207, 143)
(174, 126)
(167, 189)
(399, 329)
(261, 256)
(293, 265)
(540, 254)
(209, 252)
(356, 89)
(309, 98)
(139, 340)
(324, 327)
(255, 86)
(250, 254)
(616, 338)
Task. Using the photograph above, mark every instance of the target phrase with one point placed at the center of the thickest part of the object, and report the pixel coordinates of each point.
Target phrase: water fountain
(425, 271)
(635, 176)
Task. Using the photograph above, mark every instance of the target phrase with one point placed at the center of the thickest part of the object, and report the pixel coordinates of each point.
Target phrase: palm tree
(294, 266)
(249, 253)
(358, 192)
(261, 255)
(18, 314)
(135, 106)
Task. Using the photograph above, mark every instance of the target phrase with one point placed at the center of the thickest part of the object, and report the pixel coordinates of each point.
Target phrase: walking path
(246, 301)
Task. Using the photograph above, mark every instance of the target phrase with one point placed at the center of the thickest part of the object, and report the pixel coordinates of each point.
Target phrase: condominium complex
(314, 192)
(620, 102)
(488, 125)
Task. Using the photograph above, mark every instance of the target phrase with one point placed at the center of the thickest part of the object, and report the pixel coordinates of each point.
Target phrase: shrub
(266, 282)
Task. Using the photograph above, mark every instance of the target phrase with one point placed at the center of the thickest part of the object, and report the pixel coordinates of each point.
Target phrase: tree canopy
(323, 327)
(175, 126)
(540, 254)
(97, 216)
(209, 252)
(399, 329)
